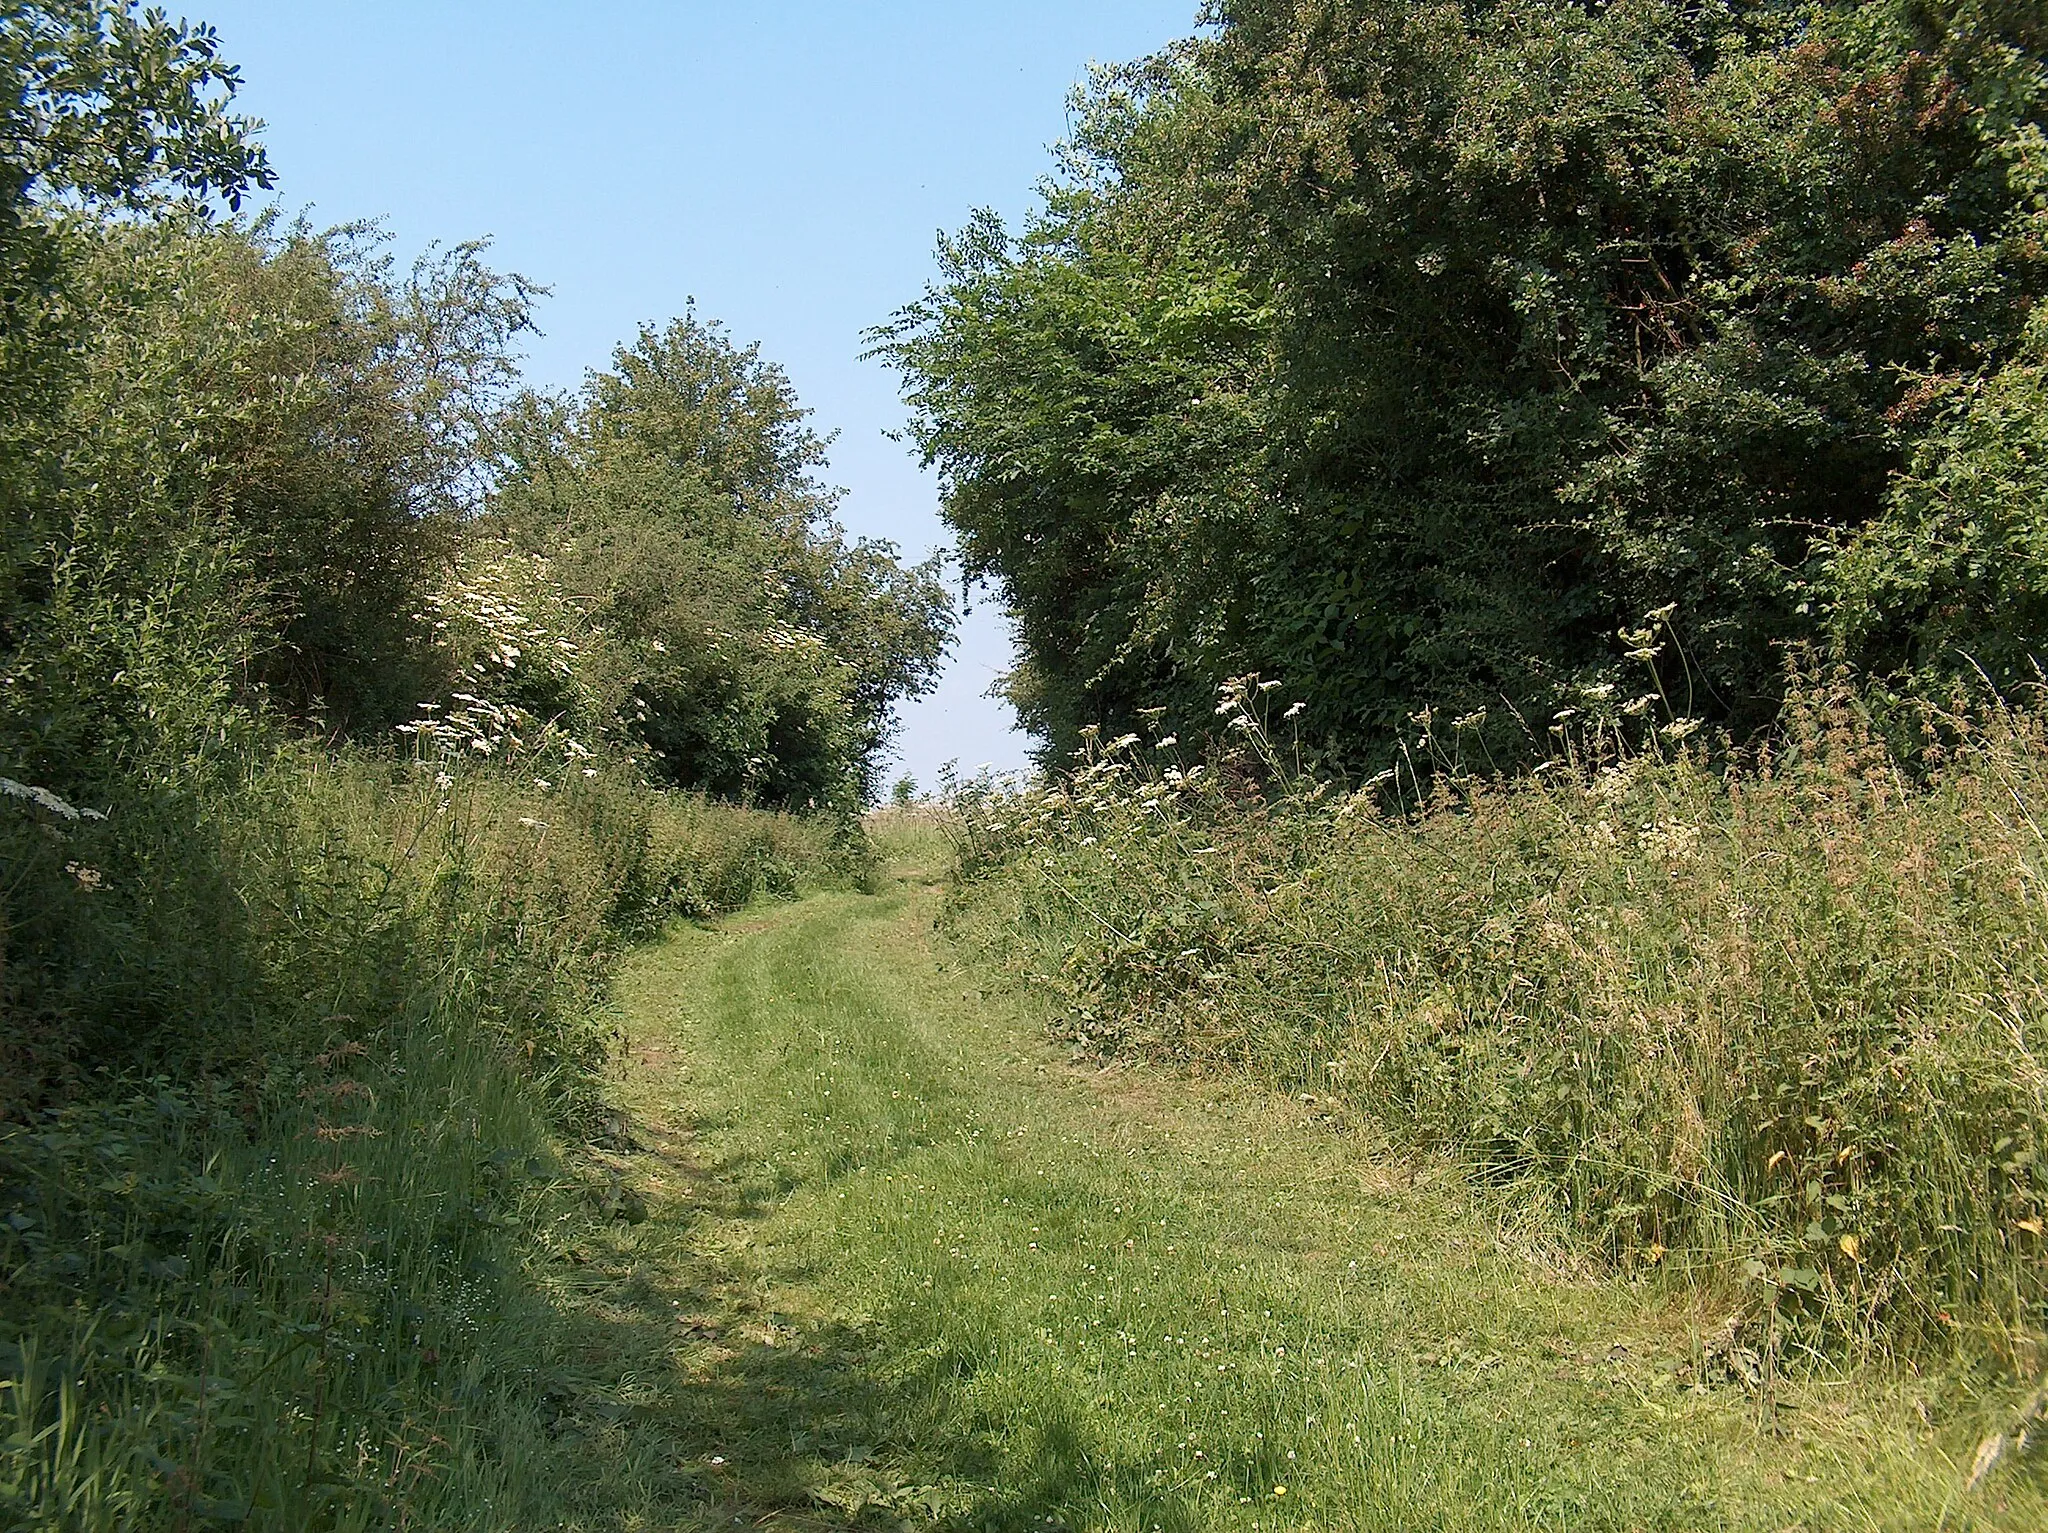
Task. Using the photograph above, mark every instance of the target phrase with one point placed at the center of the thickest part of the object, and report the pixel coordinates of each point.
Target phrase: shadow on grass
(838, 1431)
(690, 1390)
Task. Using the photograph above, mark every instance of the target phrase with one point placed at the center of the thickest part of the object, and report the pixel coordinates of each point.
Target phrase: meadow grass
(1771, 1025)
(272, 1263)
(906, 1263)
(847, 1240)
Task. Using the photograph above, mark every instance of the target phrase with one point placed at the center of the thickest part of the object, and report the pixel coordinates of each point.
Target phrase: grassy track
(902, 1264)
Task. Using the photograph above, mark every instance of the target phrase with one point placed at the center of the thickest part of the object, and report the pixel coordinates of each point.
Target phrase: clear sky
(786, 164)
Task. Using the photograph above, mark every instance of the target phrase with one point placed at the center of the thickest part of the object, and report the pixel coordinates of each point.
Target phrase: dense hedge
(1414, 352)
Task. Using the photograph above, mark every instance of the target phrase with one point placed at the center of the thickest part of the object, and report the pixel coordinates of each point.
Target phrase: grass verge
(1773, 1023)
(289, 1278)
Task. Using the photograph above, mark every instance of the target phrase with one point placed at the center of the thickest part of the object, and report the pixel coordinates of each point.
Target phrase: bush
(1775, 1022)
(1407, 351)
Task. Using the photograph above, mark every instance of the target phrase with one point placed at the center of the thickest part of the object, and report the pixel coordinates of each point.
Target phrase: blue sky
(786, 164)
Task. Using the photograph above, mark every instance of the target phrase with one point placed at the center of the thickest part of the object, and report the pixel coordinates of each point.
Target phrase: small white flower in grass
(1294, 710)
(43, 798)
(1267, 686)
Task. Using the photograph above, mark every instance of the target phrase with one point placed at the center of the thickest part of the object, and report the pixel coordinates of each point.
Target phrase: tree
(102, 109)
(751, 649)
(1412, 353)
(102, 104)
(266, 442)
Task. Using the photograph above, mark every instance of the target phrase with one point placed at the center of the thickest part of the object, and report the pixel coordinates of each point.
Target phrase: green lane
(907, 1265)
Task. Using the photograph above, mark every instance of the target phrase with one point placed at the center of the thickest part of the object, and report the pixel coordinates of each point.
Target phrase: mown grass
(1775, 1023)
(271, 1261)
(906, 1264)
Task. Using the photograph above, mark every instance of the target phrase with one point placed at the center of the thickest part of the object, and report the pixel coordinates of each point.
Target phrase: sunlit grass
(1769, 1020)
(923, 1268)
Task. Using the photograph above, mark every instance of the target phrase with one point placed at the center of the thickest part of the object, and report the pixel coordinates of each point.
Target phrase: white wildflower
(43, 798)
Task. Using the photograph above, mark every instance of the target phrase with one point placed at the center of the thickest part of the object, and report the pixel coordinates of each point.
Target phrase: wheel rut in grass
(903, 1263)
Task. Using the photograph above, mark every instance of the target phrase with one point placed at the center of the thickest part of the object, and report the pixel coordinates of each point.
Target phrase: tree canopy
(741, 642)
(256, 477)
(1413, 352)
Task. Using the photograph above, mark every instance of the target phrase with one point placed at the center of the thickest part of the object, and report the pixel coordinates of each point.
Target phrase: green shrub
(1409, 350)
(1778, 1024)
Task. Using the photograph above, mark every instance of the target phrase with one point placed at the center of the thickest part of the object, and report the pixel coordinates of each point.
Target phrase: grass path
(902, 1264)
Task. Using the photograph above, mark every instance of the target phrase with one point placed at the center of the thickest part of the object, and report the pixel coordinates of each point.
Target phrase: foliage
(736, 640)
(258, 456)
(100, 108)
(1780, 1020)
(288, 1020)
(1957, 565)
(1408, 351)
(106, 106)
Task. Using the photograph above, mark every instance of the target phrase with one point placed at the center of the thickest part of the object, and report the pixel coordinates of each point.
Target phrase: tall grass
(1775, 1022)
(281, 1147)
